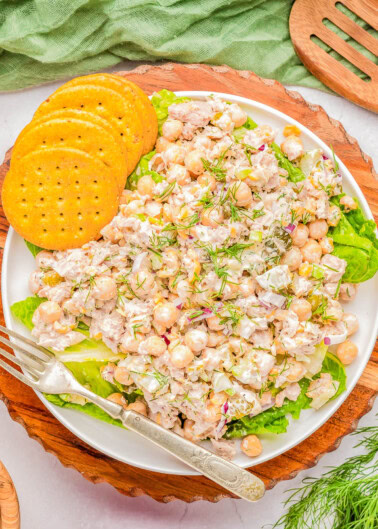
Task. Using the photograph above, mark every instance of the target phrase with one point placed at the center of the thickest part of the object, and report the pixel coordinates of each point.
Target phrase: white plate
(125, 446)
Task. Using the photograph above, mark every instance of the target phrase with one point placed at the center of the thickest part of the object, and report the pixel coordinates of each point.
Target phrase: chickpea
(44, 259)
(318, 229)
(215, 338)
(122, 376)
(166, 314)
(172, 129)
(178, 173)
(212, 413)
(50, 311)
(242, 194)
(105, 288)
(174, 154)
(139, 407)
(207, 180)
(112, 233)
(326, 245)
(146, 185)
(193, 162)
(351, 322)
(130, 343)
(142, 282)
(292, 147)
(118, 398)
(347, 291)
(295, 372)
(347, 352)
(334, 310)
(348, 203)
(162, 144)
(154, 345)
(302, 309)
(334, 215)
(218, 399)
(238, 116)
(213, 323)
(251, 446)
(202, 142)
(292, 258)
(212, 217)
(34, 284)
(311, 252)
(247, 287)
(181, 356)
(188, 431)
(184, 290)
(300, 235)
(196, 340)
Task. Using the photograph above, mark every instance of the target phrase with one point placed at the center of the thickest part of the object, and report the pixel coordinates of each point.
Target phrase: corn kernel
(305, 270)
(291, 130)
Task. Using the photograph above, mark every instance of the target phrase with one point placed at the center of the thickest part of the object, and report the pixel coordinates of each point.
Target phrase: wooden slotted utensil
(9, 510)
(306, 20)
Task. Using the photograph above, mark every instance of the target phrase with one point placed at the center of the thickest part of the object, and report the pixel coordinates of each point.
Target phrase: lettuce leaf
(89, 375)
(295, 174)
(24, 310)
(356, 242)
(275, 419)
(142, 170)
(161, 101)
(239, 132)
(88, 349)
(33, 248)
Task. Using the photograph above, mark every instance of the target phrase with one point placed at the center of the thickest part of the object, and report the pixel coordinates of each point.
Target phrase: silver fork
(43, 372)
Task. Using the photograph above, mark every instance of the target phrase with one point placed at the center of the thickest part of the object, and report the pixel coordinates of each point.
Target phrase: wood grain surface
(307, 20)
(9, 509)
(25, 407)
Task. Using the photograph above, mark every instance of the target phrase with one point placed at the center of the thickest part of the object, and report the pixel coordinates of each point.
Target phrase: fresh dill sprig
(345, 497)
(217, 168)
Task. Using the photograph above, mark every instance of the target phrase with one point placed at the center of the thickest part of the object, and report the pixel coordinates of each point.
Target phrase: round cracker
(67, 113)
(151, 123)
(59, 198)
(76, 134)
(109, 105)
(133, 94)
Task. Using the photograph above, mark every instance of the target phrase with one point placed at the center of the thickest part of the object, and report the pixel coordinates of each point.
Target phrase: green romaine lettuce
(24, 310)
(239, 132)
(356, 242)
(89, 375)
(295, 174)
(275, 419)
(142, 170)
(161, 101)
(33, 248)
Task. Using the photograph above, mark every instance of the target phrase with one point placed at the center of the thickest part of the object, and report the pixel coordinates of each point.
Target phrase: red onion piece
(166, 339)
(324, 157)
(290, 228)
(327, 341)
(178, 303)
(262, 148)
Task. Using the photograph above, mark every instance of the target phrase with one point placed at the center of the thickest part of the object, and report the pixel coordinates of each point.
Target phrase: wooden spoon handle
(9, 510)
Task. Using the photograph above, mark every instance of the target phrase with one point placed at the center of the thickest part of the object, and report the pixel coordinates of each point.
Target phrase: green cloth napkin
(45, 40)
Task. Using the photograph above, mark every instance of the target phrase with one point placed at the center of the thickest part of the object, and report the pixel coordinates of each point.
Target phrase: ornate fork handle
(237, 480)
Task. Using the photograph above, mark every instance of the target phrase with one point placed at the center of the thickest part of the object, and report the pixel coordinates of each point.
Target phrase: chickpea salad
(216, 300)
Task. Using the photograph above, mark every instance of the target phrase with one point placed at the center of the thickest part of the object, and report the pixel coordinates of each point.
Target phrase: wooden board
(25, 407)
(9, 510)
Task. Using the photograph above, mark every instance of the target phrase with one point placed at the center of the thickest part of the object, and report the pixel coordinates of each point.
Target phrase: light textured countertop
(52, 496)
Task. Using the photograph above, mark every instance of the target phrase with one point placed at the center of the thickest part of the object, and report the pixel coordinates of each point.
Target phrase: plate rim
(333, 406)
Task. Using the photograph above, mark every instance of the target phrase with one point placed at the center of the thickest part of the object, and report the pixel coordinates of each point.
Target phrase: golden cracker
(59, 198)
(76, 134)
(109, 105)
(67, 113)
(151, 122)
(127, 90)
